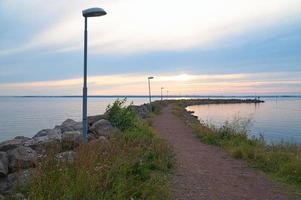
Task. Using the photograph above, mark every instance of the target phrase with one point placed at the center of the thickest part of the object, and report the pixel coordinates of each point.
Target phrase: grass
(133, 164)
(280, 161)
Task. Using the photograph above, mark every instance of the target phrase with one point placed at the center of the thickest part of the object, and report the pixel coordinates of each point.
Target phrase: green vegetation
(133, 164)
(157, 106)
(121, 116)
(281, 161)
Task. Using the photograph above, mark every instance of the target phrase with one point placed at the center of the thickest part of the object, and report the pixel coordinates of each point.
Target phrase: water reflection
(277, 119)
(26, 116)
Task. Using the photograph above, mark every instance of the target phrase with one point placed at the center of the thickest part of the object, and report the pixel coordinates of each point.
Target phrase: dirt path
(206, 172)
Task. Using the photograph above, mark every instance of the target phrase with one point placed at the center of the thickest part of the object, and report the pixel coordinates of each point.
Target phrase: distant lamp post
(167, 94)
(162, 93)
(149, 92)
(91, 12)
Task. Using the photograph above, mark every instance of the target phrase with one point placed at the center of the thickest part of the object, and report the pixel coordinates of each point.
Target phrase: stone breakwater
(20, 156)
(191, 102)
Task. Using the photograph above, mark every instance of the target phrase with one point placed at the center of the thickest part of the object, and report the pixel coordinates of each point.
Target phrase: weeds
(281, 161)
(133, 164)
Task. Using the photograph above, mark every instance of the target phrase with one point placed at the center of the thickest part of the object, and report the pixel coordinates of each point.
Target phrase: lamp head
(94, 12)
(151, 77)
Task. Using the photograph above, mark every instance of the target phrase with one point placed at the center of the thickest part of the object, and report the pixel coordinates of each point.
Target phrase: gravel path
(206, 172)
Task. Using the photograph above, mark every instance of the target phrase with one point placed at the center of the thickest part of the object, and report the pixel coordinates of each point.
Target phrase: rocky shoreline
(20, 156)
(191, 102)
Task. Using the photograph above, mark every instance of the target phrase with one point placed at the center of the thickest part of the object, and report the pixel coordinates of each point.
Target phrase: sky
(191, 47)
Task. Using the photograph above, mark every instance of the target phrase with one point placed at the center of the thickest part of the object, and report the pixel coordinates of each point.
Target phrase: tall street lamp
(162, 93)
(149, 92)
(91, 12)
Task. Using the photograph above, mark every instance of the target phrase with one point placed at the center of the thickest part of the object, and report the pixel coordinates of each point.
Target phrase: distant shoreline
(155, 96)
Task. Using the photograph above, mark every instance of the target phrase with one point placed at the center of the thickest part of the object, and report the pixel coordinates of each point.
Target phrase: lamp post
(162, 93)
(91, 12)
(149, 92)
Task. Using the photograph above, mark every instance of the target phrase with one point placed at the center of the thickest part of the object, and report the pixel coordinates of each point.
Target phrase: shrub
(121, 115)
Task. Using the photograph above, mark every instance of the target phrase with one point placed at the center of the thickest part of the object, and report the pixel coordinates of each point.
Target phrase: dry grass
(134, 164)
(280, 161)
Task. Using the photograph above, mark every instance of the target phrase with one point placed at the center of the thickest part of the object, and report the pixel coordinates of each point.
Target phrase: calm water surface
(276, 119)
(26, 116)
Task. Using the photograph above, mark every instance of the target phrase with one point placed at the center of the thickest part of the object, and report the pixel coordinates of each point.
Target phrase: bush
(121, 115)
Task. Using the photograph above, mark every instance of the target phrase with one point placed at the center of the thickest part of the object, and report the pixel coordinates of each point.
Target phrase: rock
(30, 143)
(93, 119)
(50, 133)
(45, 139)
(103, 128)
(10, 144)
(22, 138)
(20, 178)
(4, 185)
(21, 158)
(141, 111)
(67, 156)
(70, 136)
(42, 145)
(3, 164)
(71, 139)
(47, 135)
(70, 125)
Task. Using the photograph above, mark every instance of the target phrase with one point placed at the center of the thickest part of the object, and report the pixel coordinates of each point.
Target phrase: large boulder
(103, 128)
(141, 111)
(43, 145)
(21, 177)
(48, 135)
(70, 125)
(3, 163)
(71, 139)
(93, 119)
(21, 158)
(44, 139)
(11, 144)
(22, 138)
(4, 185)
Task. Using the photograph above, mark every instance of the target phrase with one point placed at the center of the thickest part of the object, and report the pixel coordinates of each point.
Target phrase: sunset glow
(192, 46)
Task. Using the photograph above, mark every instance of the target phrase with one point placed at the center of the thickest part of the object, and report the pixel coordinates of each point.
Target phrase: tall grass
(281, 161)
(133, 164)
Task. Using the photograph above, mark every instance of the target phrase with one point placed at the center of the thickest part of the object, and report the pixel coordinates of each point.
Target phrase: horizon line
(144, 96)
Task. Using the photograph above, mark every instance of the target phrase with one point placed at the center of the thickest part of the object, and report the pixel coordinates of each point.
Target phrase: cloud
(135, 26)
(136, 84)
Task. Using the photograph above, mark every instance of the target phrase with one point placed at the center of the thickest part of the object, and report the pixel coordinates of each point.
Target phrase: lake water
(278, 119)
(27, 116)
